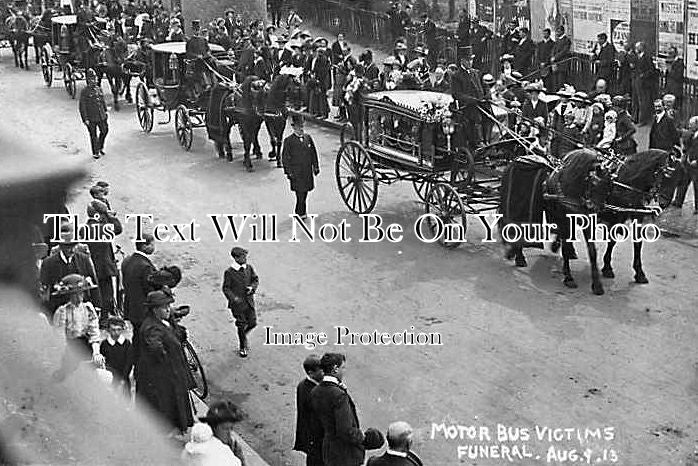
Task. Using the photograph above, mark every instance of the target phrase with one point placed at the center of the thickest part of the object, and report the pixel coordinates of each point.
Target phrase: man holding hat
(162, 378)
(240, 283)
(93, 112)
(300, 161)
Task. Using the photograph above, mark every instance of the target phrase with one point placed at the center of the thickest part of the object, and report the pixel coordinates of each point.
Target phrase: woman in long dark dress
(162, 378)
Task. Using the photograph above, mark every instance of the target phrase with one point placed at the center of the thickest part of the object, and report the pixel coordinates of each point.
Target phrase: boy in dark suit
(308, 428)
(239, 286)
(116, 351)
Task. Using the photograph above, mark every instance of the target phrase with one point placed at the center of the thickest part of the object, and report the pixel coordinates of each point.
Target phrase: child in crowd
(116, 350)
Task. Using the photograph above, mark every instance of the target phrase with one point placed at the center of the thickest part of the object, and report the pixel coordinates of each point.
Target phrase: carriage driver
(199, 53)
(467, 91)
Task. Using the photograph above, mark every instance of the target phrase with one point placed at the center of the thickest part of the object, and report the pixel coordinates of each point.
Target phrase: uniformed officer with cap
(239, 286)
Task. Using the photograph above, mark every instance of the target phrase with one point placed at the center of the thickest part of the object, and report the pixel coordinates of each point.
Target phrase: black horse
(276, 112)
(641, 178)
(41, 32)
(249, 116)
(18, 28)
(112, 60)
(581, 186)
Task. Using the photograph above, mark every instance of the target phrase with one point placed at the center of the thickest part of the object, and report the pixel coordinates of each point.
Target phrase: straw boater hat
(506, 57)
(421, 50)
(390, 61)
(534, 87)
(488, 79)
(72, 283)
(400, 46)
(581, 97)
(320, 42)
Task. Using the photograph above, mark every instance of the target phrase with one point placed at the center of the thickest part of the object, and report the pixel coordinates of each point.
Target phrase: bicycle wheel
(196, 370)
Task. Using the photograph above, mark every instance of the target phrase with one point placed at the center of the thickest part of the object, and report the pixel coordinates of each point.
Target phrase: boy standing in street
(239, 286)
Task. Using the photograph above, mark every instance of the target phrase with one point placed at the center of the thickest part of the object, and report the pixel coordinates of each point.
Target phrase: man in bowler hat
(239, 286)
(300, 162)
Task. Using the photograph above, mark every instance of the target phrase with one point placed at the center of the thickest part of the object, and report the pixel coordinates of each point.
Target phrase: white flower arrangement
(434, 112)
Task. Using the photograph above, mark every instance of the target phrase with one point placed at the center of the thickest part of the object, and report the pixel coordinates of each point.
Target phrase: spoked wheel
(347, 133)
(357, 178)
(46, 68)
(69, 79)
(143, 110)
(183, 127)
(444, 203)
(196, 370)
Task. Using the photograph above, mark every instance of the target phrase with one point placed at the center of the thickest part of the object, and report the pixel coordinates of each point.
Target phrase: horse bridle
(665, 170)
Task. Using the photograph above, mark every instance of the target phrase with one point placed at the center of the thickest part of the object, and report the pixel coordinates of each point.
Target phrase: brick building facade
(206, 10)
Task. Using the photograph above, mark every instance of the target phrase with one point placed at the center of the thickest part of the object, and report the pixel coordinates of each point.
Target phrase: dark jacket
(136, 270)
(300, 161)
(343, 441)
(606, 57)
(646, 71)
(53, 269)
(540, 110)
(92, 104)
(523, 57)
(102, 252)
(308, 427)
(663, 135)
(393, 460)
(162, 376)
(674, 78)
(337, 53)
(561, 51)
(235, 283)
(466, 87)
(320, 70)
(545, 51)
(625, 142)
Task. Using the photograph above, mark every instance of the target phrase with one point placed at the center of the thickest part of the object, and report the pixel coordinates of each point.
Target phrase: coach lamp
(65, 39)
(173, 65)
(448, 127)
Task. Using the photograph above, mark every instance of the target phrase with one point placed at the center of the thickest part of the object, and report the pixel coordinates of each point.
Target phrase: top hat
(72, 283)
(159, 297)
(467, 52)
(222, 411)
(297, 119)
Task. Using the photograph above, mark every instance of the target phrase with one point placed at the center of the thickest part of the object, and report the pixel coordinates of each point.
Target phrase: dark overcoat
(300, 161)
(663, 135)
(162, 376)
(92, 105)
(53, 269)
(102, 252)
(235, 283)
(136, 270)
(308, 427)
(343, 441)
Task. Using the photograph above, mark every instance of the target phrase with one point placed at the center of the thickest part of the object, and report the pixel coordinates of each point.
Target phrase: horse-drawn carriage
(414, 136)
(173, 86)
(61, 53)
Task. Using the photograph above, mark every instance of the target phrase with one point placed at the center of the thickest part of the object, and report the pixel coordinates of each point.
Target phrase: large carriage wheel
(143, 110)
(444, 202)
(183, 127)
(69, 79)
(347, 133)
(46, 68)
(357, 178)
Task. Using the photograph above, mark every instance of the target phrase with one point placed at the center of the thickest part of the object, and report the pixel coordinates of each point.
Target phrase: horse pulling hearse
(417, 136)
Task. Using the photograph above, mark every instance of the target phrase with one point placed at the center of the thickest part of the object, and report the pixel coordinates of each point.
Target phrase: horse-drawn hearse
(173, 85)
(417, 136)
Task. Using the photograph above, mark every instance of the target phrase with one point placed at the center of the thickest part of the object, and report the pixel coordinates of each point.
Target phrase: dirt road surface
(519, 350)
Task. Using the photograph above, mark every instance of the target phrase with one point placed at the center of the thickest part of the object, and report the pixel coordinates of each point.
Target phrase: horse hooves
(641, 279)
(510, 254)
(597, 289)
(570, 283)
(521, 262)
(608, 273)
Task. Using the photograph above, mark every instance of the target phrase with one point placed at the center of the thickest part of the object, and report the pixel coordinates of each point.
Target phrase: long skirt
(338, 90)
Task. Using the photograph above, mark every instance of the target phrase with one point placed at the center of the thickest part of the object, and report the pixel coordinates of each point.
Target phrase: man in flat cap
(300, 161)
(239, 286)
(399, 438)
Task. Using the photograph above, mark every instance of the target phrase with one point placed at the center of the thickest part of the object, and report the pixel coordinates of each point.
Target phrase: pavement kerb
(252, 458)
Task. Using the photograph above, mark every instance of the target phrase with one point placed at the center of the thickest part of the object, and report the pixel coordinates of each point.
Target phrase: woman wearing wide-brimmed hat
(78, 321)
(162, 378)
(222, 417)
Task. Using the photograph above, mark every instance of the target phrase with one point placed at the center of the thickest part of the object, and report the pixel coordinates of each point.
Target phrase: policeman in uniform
(300, 162)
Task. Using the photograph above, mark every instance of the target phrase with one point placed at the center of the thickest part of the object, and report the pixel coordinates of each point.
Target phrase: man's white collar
(396, 453)
(237, 266)
(119, 340)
